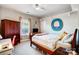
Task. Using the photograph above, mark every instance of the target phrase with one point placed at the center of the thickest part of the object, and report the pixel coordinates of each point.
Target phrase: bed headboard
(75, 41)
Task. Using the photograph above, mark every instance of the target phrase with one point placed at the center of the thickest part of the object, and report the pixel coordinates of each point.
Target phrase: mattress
(64, 45)
(45, 37)
(47, 40)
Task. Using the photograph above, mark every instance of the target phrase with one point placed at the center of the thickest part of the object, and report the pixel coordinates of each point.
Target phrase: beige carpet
(25, 49)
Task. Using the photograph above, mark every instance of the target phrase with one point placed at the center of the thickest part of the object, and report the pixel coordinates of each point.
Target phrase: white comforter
(47, 40)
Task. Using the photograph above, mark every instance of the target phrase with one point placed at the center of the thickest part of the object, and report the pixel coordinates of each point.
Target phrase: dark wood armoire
(10, 28)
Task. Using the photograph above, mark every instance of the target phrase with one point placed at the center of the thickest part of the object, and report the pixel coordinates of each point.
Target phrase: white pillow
(0, 37)
(68, 40)
(66, 37)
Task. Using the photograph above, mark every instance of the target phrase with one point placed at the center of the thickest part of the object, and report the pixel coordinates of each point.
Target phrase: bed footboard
(45, 50)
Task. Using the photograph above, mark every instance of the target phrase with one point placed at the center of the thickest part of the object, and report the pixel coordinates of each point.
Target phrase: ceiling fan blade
(37, 6)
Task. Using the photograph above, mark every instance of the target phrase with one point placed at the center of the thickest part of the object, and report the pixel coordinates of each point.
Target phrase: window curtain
(25, 27)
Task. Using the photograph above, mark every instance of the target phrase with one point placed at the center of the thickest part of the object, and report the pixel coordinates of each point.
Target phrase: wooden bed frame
(47, 51)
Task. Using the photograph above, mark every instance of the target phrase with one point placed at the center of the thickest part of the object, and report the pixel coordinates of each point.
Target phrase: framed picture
(57, 24)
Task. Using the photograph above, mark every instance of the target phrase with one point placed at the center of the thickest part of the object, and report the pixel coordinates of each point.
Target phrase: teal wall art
(57, 24)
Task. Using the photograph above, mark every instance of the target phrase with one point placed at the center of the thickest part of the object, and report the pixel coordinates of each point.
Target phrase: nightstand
(64, 51)
(60, 51)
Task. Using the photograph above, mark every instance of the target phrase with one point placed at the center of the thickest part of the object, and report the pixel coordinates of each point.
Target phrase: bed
(48, 42)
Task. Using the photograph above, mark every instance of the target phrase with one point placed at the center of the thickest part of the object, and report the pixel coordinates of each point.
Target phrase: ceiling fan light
(38, 8)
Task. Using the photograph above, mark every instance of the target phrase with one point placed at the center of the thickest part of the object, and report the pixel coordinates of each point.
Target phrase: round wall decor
(57, 24)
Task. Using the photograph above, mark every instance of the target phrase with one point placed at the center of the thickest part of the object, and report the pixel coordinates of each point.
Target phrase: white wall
(69, 23)
(10, 14)
(35, 23)
(76, 7)
(0, 18)
(0, 12)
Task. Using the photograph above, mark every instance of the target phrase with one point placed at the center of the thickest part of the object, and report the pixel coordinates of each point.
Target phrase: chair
(13, 40)
(6, 46)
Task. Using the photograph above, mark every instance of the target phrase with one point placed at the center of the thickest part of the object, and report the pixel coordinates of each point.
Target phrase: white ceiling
(50, 9)
(75, 6)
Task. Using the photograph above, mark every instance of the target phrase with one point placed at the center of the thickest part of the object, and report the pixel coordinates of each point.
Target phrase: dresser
(9, 29)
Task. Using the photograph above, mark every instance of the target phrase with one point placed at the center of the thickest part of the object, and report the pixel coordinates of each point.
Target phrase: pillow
(0, 37)
(40, 34)
(62, 35)
(66, 37)
(68, 40)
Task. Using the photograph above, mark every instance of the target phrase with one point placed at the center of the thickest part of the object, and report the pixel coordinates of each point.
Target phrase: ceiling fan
(39, 7)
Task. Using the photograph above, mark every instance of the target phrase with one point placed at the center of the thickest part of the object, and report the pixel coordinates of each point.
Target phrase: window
(25, 27)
